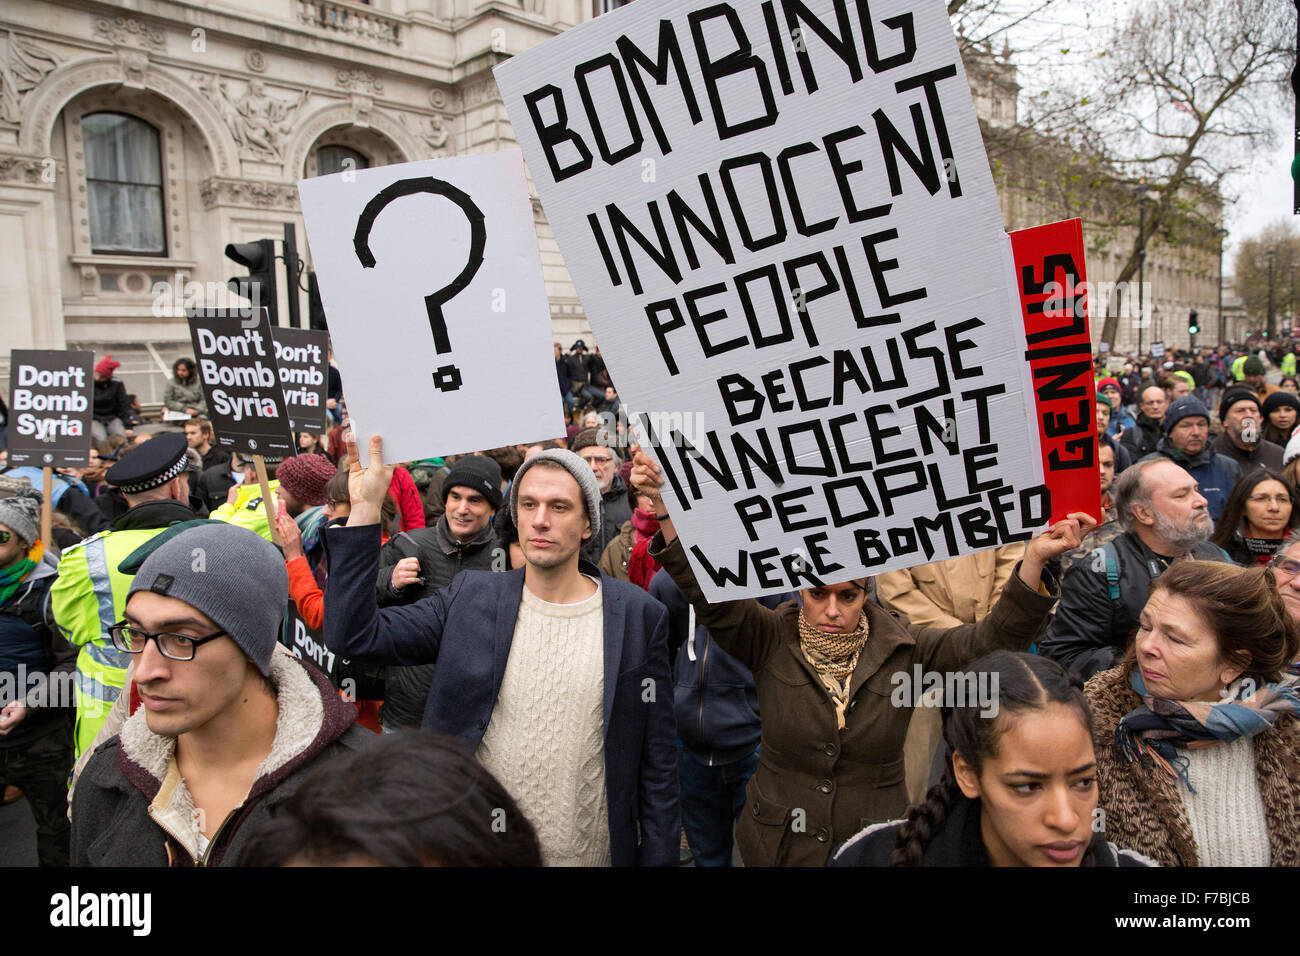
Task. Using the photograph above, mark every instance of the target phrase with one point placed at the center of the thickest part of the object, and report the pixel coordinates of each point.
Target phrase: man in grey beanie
(228, 721)
(554, 673)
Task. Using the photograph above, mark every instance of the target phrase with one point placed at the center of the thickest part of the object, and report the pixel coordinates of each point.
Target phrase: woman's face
(1289, 385)
(306, 440)
(1268, 510)
(1283, 417)
(1038, 792)
(1177, 653)
(184, 371)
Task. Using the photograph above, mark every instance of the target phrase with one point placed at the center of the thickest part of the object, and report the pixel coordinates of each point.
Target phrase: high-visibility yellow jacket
(247, 511)
(89, 597)
(1237, 363)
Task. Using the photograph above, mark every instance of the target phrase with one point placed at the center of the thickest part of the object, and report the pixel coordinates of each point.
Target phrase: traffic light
(258, 287)
(1192, 325)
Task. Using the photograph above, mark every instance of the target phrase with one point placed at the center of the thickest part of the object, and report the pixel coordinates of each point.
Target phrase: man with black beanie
(415, 564)
(1243, 432)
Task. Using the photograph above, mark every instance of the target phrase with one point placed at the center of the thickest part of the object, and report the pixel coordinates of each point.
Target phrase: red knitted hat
(107, 365)
(305, 477)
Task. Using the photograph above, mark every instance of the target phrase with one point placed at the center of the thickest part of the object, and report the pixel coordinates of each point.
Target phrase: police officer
(90, 593)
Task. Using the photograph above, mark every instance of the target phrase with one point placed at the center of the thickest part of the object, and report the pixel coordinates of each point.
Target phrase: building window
(337, 159)
(609, 6)
(124, 182)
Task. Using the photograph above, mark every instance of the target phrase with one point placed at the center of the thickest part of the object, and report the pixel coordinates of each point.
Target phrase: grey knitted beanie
(22, 514)
(574, 465)
(231, 574)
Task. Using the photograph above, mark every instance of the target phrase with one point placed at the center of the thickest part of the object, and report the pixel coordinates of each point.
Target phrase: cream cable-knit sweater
(545, 741)
(1226, 812)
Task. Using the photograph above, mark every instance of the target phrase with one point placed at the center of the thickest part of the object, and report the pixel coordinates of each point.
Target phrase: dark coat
(815, 784)
(30, 639)
(467, 629)
(1090, 632)
(614, 510)
(111, 401)
(1142, 439)
(1266, 453)
(214, 483)
(442, 557)
(959, 843)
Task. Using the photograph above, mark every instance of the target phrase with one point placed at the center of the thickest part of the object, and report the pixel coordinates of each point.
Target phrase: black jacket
(1266, 453)
(111, 401)
(714, 698)
(1141, 439)
(214, 483)
(32, 648)
(958, 843)
(442, 557)
(614, 510)
(1090, 631)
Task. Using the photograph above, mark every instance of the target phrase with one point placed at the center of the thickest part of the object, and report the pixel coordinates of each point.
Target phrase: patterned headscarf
(834, 655)
(1148, 733)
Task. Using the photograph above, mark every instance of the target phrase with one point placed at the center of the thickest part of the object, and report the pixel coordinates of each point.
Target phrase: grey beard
(1182, 537)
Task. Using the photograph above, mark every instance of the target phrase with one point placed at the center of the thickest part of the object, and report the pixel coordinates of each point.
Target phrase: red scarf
(640, 566)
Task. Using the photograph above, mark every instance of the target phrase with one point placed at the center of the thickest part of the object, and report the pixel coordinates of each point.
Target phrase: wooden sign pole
(259, 466)
(47, 532)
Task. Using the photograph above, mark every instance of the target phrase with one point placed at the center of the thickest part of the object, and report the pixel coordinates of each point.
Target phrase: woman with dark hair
(309, 444)
(1260, 512)
(412, 798)
(1020, 779)
(1196, 732)
(1289, 384)
(1280, 411)
(184, 392)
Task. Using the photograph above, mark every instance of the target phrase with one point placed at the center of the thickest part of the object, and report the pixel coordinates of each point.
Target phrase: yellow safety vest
(247, 511)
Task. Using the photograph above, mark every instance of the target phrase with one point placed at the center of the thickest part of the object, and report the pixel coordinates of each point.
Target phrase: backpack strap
(1112, 570)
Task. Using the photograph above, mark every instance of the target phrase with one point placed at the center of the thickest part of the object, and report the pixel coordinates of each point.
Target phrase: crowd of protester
(523, 669)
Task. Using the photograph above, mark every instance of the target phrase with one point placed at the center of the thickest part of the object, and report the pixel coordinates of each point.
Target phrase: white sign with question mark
(432, 286)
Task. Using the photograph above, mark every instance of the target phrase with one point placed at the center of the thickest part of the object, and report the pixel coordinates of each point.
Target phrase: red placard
(1054, 306)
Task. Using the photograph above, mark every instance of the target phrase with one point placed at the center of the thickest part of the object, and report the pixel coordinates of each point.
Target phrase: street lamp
(1222, 234)
(1272, 254)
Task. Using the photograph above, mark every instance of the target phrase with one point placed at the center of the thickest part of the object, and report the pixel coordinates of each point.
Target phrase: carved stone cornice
(31, 170)
(219, 191)
(126, 31)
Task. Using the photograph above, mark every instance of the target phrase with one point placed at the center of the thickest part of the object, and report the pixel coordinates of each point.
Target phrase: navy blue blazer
(467, 628)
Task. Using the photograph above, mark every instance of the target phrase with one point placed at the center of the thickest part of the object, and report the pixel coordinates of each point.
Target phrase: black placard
(303, 358)
(241, 381)
(51, 401)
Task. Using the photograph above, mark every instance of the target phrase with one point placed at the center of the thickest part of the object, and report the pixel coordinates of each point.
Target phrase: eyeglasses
(1287, 566)
(176, 647)
(1266, 499)
(597, 460)
(5, 536)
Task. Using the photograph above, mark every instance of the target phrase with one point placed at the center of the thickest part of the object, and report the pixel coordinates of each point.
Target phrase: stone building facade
(137, 140)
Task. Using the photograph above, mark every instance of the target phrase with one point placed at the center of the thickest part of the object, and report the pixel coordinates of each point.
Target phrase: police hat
(150, 465)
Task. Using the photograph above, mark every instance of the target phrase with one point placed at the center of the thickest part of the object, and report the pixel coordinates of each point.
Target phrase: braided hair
(1025, 682)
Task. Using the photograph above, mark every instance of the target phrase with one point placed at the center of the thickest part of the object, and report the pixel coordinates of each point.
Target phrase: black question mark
(447, 378)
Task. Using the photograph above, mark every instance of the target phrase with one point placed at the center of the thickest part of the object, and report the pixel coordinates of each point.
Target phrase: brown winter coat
(817, 785)
(614, 561)
(1143, 809)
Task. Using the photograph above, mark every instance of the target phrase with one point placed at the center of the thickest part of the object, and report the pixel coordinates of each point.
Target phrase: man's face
(1106, 457)
(1103, 418)
(15, 549)
(1154, 403)
(1180, 389)
(1111, 392)
(1286, 571)
(181, 696)
(609, 393)
(835, 607)
(1242, 422)
(1182, 513)
(1254, 381)
(468, 512)
(1190, 434)
(601, 460)
(552, 523)
(193, 435)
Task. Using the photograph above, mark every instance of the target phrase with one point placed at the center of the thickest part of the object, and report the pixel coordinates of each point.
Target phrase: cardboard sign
(1157, 350)
(303, 357)
(430, 275)
(1054, 299)
(51, 403)
(308, 644)
(241, 381)
(782, 224)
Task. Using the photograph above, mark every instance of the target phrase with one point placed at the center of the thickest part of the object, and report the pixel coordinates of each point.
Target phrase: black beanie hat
(477, 472)
(1234, 395)
(1278, 399)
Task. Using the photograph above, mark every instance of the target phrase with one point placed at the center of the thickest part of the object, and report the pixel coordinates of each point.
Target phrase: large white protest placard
(781, 221)
(432, 285)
